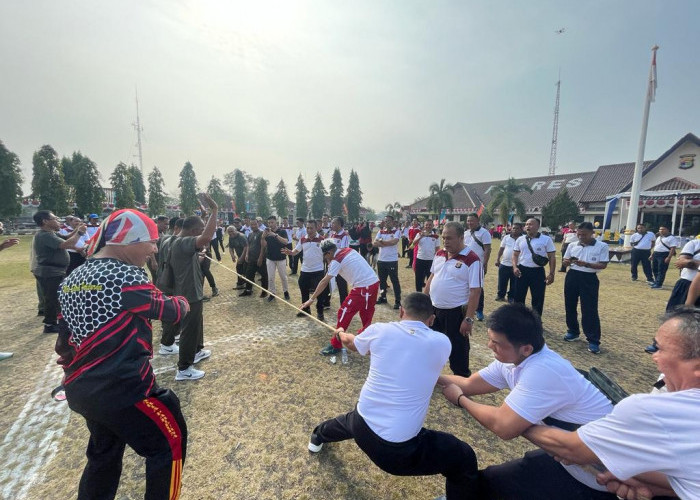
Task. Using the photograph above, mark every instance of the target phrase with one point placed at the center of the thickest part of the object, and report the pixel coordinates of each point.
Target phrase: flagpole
(637, 180)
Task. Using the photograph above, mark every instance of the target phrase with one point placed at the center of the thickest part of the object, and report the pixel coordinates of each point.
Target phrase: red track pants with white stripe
(359, 300)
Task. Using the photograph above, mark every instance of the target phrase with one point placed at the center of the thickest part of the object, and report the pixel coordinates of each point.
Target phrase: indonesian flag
(481, 210)
(652, 76)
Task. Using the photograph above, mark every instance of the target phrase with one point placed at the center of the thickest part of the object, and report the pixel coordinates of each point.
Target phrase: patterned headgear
(123, 227)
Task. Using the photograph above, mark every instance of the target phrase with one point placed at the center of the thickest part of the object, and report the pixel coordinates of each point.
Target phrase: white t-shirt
(670, 241)
(340, 238)
(651, 432)
(427, 246)
(547, 385)
(541, 244)
(81, 241)
(391, 253)
(507, 244)
(352, 267)
(453, 277)
(407, 358)
(570, 237)
(298, 233)
(594, 254)
(691, 249)
(483, 235)
(642, 241)
(313, 255)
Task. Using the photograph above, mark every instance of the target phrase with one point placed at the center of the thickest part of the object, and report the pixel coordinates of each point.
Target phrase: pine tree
(189, 202)
(280, 200)
(137, 185)
(156, 195)
(237, 184)
(122, 186)
(302, 192)
(318, 197)
(261, 198)
(85, 183)
(10, 183)
(353, 197)
(48, 183)
(336, 191)
(216, 191)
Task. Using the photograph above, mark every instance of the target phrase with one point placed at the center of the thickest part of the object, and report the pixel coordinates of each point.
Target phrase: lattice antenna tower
(555, 132)
(137, 126)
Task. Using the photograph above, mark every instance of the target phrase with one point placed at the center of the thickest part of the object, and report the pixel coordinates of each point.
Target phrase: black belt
(561, 424)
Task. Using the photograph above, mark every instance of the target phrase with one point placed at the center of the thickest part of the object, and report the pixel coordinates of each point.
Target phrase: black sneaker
(286, 296)
(245, 293)
(300, 315)
(321, 317)
(214, 292)
(270, 298)
(50, 328)
(500, 299)
(239, 287)
(381, 300)
(263, 295)
(397, 306)
(315, 443)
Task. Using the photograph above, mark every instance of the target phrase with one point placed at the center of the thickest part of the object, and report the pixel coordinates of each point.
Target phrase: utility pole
(139, 129)
(555, 133)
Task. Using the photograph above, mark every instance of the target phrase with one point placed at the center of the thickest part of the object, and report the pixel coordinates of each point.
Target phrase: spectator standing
(254, 261)
(664, 250)
(641, 242)
(425, 244)
(478, 239)
(504, 262)
(568, 237)
(387, 240)
(274, 240)
(531, 253)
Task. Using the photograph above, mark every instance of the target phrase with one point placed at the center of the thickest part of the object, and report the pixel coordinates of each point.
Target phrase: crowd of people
(101, 303)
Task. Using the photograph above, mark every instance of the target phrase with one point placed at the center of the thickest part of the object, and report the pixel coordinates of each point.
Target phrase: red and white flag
(652, 76)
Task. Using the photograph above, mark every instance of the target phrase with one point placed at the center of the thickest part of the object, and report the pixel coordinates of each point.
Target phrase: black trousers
(206, 270)
(390, 270)
(294, 262)
(643, 257)
(428, 453)
(404, 246)
(214, 245)
(448, 321)
(76, 259)
(506, 282)
(191, 335)
(154, 428)
(307, 284)
(679, 294)
(422, 270)
(342, 287)
(531, 278)
(240, 270)
(659, 267)
(480, 306)
(579, 285)
(251, 270)
(535, 476)
(410, 252)
(49, 287)
(564, 246)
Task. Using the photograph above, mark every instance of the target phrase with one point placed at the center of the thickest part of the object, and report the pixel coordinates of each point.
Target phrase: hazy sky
(404, 92)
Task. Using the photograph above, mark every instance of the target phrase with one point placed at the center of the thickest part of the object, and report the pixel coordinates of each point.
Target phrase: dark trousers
(342, 287)
(49, 287)
(480, 306)
(679, 294)
(206, 271)
(390, 270)
(404, 246)
(39, 296)
(583, 286)
(428, 453)
(535, 476)
(154, 428)
(170, 330)
(214, 245)
(251, 270)
(294, 262)
(191, 335)
(240, 270)
(410, 253)
(76, 259)
(643, 257)
(307, 284)
(506, 282)
(659, 266)
(422, 270)
(531, 278)
(564, 246)
(447, 321)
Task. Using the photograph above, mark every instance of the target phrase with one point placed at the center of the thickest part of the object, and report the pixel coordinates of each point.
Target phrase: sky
(404, 92)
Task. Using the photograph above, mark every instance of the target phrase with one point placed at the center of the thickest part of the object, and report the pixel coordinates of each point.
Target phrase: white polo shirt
(541, 244)
(482, 234)
(352, 267)
(642, 241)
(651, 432)
(427, 246)
(81, 241)
(595, 253)
(391, 253)
(691, 249)
(407, 358)
(288, 230)
(453, 277)
(313, 256)
(547, 385)
(664, 244)
(507, 244)
(570, 237)
(340, 238)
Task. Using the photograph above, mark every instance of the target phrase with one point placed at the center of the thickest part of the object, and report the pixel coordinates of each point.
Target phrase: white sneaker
(190, 373)
(201, 354)
(168, 349)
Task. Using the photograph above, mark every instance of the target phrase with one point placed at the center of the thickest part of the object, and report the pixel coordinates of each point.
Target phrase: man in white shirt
(587, 257)
(544, 387)
(312, 267)
(76, 253)
(342, 240)
(664, 250)
(387, 240)
(455, 285)
(504, 263)
(641, 242)
(425, 244)
(387, 423)
(297, 234)
(649, 442)
(529, 268)
(478, 239)
(568, 237)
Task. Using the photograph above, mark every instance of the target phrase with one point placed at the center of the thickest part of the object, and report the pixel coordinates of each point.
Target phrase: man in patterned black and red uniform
(105, 347)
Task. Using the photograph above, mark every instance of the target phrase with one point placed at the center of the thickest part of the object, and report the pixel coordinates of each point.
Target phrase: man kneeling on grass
(387, 423)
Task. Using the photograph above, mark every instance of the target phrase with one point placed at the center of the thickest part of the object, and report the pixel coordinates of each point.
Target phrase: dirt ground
(265, 389)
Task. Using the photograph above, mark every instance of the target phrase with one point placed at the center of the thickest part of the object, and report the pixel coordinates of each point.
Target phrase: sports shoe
(206, 298)
(201, 354)
(270, 298)
(650, 282)
(50, 328)
(397, 306)
(381, 300)
(329, 350)
(191, 373)
(239, 287)
(479, 315)
(315, 444)
(168, 349)
(655, 286)
(263, 295)
(593, 348)
(286, 296)
(500, 299)
(571, 337)
(177, 338)
(5, 355)
(321, 317)
(214, 292)
(651, 348)
(245, 293)
(634, 279)
(300, 315)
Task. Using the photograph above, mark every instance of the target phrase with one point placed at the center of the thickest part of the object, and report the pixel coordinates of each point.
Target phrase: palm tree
(504, 197)
(393, 209)
(440, 197)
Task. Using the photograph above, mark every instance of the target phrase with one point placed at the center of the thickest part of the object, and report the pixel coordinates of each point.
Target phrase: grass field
(265, 389)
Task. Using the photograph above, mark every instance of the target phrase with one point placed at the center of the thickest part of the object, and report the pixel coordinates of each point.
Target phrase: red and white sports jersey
(340, 238)
(313, 256)
(427, 246)
(389, 254)
(453, 277)
(352, 267)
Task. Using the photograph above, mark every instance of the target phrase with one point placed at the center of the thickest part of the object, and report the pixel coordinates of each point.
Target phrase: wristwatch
(469, 320)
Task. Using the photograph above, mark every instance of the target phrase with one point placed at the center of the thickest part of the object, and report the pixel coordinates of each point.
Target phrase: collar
(593, 243)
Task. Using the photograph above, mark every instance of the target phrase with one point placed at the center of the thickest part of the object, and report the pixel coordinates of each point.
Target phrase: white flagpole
(637, 181)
